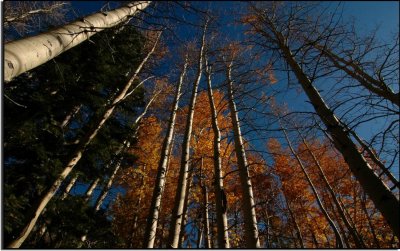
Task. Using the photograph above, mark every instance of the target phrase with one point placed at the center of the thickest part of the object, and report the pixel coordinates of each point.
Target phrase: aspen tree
(249, 212)
(222, 221)
(353, 231)
(91, 189)
(27, 53)
(176, 220)
(152, 223)
(384, 200)
(69, 187)
(77, 155)
(339, 240)
(125, 145)
(185, 208)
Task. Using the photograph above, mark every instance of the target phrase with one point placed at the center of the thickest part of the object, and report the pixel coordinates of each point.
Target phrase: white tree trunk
(339, 239)
(176, 220)
(77, 155)
(125, 145)
(220, 197)
(25, 54)
(248, 206)
(69, 187)
(70, 115)
(91, 189)
(152, 219)
(352, 229)
(185, 208)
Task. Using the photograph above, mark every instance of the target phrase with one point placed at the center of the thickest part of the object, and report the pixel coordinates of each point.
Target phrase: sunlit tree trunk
(199, 236)
(248, 206)
(176, 218)
(339, 240)
(70, 115)
(69, 187)
(185, 209)
(91, 189)
(25, 54)
(77, 155)
(220, 197)
(206, 222)
(152, 219)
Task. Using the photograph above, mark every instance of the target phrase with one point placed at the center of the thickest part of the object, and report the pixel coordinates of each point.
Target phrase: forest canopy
(199, 125)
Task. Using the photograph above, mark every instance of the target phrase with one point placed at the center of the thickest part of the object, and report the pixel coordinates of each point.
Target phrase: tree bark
(91, 189)
(383, 198)
(158, 191)
(70, 115)
(220, 197)
(199, 236)
(77, 155)
(185, 208)
(176, 219)
(248, 208)
(339, 240)
(27, 53)
(206, 222)
(69, 187)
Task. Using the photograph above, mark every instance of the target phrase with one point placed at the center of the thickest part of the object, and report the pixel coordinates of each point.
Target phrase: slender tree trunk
(27, 53)
(248, 208)
(378, 87)
(176, 219)
(77, 155)
(69, 187)
(185, 208)
(91, 189)
(206, 222)
(220, 197)
(353, 231)
(138, 205)
(339, 240)
(199, 236)
(125, 145)
(152, 219)
(383, 198)
(70, 115)
(108, 186)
